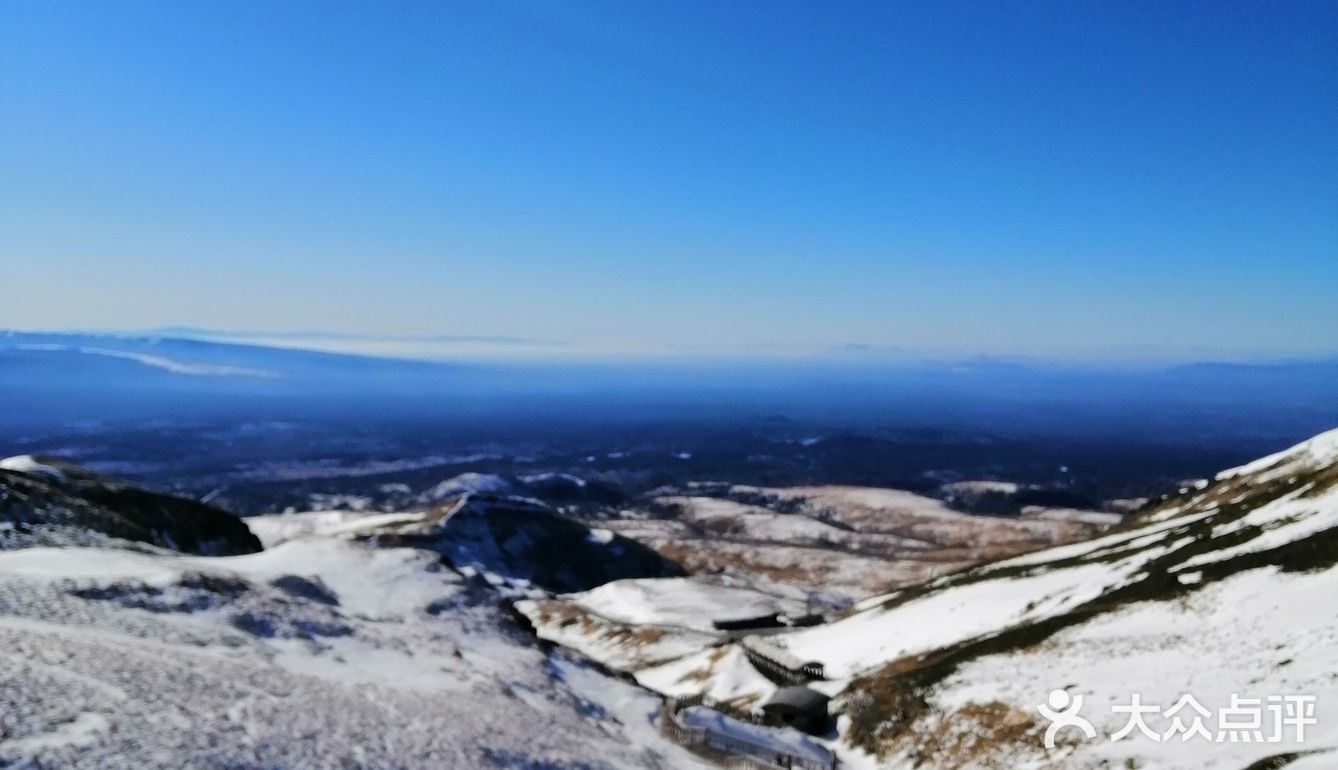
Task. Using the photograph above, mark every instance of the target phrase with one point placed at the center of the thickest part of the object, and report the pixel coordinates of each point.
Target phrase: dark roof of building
(740, 624)
(799, 698)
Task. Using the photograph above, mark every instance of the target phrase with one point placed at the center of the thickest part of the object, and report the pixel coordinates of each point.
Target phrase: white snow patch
(680, 602)
(31, 466)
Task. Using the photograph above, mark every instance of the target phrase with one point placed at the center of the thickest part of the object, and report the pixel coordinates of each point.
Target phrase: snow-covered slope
(520, 546)
(1258, 634)
(1216, 591)
(321, 652)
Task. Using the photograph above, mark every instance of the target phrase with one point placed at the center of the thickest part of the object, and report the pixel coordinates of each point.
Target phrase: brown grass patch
(704, 673)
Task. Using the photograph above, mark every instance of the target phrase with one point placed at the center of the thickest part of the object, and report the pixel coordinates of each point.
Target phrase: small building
(799, 707)
(772, 620)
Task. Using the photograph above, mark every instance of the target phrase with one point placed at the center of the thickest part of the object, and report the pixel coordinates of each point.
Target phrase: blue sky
(1065, 179)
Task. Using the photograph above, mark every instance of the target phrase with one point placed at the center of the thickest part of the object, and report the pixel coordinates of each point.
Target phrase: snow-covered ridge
(1250, 552)
(1207, 528)
(1320, 451)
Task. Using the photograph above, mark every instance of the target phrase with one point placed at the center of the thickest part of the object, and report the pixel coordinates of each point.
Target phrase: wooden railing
(729, 751)
(779, 665)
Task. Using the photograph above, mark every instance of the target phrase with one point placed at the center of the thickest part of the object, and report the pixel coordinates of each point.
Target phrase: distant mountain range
(65, 377)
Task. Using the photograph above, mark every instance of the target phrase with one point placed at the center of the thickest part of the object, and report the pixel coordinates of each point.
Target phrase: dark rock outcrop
(73, 506)
(520, 542)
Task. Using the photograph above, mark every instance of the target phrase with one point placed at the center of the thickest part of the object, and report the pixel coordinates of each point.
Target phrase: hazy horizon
(447, 348)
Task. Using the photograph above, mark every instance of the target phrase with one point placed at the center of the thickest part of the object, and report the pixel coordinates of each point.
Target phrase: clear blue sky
(1051, 178)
